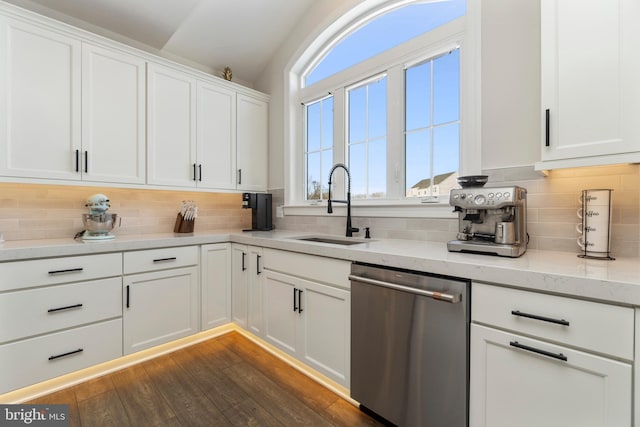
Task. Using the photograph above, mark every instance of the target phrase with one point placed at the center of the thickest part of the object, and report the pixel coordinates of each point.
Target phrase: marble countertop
(560, 273)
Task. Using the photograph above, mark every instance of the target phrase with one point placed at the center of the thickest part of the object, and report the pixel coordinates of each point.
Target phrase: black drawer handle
(70, 270)
(558, 356)
(243, 265)
(127, 302)
(165, 259)
(258, 264)
(542, 318)
(299, 301)
(58, 356)
(295, 299)
(69, 307)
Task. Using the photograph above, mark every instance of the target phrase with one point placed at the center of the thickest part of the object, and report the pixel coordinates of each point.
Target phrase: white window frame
(463, 32)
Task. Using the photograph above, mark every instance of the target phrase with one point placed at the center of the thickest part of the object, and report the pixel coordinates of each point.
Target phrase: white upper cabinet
(171, 118)
(216, 136)
(252, 135)
(590, 85)
(113, 116)
(39, 102)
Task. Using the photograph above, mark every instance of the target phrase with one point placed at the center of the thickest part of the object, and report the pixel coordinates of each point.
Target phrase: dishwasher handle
(454, 299)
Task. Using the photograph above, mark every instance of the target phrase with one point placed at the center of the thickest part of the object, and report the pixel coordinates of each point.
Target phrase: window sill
(369, 209)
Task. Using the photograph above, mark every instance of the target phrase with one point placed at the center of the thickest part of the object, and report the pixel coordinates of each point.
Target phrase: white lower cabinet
(246, 287)
(522, 376)
(307, 319)
(215, 285)
(47, 356)
(161, 305)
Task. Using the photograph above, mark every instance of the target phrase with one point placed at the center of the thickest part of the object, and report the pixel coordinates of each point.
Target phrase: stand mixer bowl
(99, 224)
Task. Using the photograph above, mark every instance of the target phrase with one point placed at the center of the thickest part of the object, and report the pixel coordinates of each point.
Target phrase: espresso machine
(261, 216)
(491, 220)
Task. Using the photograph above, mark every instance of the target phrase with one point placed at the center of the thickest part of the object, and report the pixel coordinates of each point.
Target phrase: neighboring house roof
(426, 183)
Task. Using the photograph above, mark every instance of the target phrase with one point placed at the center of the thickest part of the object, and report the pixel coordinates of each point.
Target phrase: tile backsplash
(34, 211)
(551, 210)
(37, 211)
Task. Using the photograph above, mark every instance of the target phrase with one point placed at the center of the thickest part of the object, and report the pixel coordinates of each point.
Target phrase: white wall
(510, 82)
(322, 14)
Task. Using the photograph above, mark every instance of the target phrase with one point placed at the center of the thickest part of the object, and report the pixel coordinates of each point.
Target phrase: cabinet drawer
(37, 359)
(160, 259)
(319, 269)
(36, 311)
(51, 271)
(601, 328)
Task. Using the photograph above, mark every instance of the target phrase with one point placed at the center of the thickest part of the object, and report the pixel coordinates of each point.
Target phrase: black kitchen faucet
(350, 229)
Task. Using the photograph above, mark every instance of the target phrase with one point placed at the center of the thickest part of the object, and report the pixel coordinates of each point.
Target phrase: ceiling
(241, 34)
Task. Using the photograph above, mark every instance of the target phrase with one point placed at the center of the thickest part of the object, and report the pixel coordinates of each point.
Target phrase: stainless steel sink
(334, 240)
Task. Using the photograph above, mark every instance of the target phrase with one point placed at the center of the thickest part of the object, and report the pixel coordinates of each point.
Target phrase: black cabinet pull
(200, 172)
(86, 161)
(295, 299)
(542, 318)
(194, 172)
(258, 264)
(244, 267)
(69, 270)
(558, 356)
(239, 176)
(165, 259)
(58, 356)
(546, 128)
(77, 160)
(127, 291)
(68, 307)
(299, 300)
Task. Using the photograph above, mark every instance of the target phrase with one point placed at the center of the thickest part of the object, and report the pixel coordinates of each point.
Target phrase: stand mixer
(98, 223)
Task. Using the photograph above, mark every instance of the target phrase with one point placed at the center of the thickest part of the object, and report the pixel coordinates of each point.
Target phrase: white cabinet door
(255, 286)
(590, 86)
(171, 119)
(39, 102)
(215, 281)
(159, 307)
(216, 137)
(252, 139)
(281, 312)
(326, 323)
(239, 283)
(113, 116)
(311, 322)
(512, 386)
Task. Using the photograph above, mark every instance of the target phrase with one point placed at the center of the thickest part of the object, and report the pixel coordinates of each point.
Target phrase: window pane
(385, 32)
(377, 169)
(417, 96)
(446, 149)
(327, 123)
(418, 162)
(327, 164)
(377, 104)
(446, 88)
(314, 179)
(357, 114)
(313, 126)
(358, 170)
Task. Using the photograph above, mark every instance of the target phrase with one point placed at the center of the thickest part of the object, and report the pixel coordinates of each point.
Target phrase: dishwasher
(410, 346)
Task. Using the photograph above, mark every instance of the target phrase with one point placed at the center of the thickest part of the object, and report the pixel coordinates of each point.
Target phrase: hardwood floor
(225, 381)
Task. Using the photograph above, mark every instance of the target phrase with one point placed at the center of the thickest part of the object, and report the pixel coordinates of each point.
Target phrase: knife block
(182, 225)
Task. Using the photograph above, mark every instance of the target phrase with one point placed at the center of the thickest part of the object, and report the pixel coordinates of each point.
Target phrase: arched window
(385, 99)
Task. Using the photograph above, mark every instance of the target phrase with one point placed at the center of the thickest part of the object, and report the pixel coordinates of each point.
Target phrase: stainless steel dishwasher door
(410, 346)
